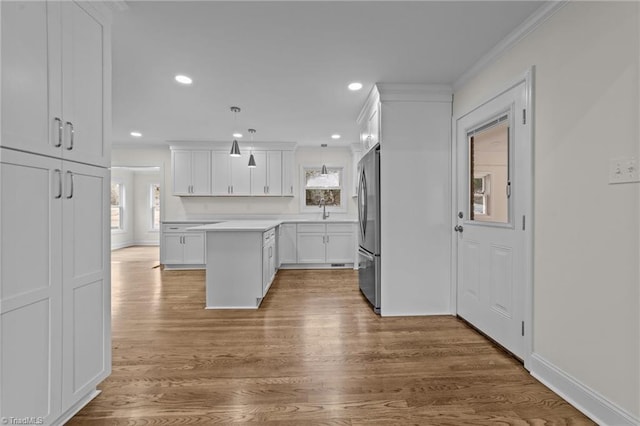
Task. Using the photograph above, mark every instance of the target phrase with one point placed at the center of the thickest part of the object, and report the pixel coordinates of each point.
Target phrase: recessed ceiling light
(183, 79)
(335, 136)
(136, 134)
(237, 135)
(355, 86)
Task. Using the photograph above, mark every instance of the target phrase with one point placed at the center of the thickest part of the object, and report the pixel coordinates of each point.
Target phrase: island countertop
(238, 225)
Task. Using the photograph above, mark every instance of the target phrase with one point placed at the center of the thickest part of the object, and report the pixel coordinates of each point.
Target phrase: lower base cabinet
(55, 317)
(322, 243)
(182, 248)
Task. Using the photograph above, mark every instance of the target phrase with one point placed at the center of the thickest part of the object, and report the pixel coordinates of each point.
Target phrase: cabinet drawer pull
(70, 174)
(71, 135)
(59, 173)
(59, 121)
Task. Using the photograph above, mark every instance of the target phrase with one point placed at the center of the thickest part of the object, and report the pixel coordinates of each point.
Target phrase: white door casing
(493, 289)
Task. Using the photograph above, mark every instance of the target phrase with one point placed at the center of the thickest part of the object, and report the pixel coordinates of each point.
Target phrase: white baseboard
(126, 244)
(585, 399)
(146, 243)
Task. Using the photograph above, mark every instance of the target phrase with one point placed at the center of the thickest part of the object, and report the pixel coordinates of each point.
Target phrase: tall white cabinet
(54, 207)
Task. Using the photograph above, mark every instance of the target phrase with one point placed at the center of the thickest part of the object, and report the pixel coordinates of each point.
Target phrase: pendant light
(323, 171)
(235, 149)
(252, 161)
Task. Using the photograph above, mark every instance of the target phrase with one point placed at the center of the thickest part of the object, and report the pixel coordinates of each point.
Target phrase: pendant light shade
(235, 149)
(324, 172)
(252, 160)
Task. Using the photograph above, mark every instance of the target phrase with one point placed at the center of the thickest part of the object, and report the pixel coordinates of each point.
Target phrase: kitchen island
(240, 262)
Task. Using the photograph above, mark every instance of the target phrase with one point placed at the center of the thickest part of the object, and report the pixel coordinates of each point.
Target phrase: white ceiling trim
(528, 26)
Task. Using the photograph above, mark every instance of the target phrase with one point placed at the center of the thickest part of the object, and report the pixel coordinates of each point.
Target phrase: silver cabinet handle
(232, 189)
(70, 174)
(70, 124)
(228, 189)
(59, 121)
(173, 228)
(267, 189)
(327, 239)
(59, 173)
(291, 189)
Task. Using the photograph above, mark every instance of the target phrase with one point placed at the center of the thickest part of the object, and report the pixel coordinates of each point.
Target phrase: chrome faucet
(323, 204)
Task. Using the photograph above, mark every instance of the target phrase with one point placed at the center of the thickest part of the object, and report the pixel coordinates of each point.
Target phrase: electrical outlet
(623, 170)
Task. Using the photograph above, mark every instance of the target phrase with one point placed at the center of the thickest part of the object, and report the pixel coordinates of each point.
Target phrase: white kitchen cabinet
(230, 175)
(54, 253)
(325, 243)
(356, 155)
(266, 177)
(86, 291)
(287, 244)
(191, 172)
(56, 80)
(268, 259)
(182, 249)
(54, 207)
(288, 174)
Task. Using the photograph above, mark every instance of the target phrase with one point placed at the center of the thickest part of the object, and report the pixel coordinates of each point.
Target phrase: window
(154, 196)
(481, 195)
(117, 205)
(322, 189)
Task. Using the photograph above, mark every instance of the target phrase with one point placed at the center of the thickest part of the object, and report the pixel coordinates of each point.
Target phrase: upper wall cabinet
(191, 172)
(55, 76)
(230, 175)
(202, 172)
(369, 123)
(266, 177)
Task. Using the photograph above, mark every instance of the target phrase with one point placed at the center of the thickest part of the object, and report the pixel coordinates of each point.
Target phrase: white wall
(586, 232)
(181, 208)
(124, 237)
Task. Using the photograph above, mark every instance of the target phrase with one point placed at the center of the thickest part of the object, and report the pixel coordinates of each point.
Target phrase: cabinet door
(374, 126)
(274, 173)
(259, 174)
(240, 174)
(29, 30)
(357, 154)
(287, 243)
(265, 269)
(288, 173)
(173, 249)
(193, 243)
(30, 285)
(86, 289)
(340, 248)
(181, 172)
(83, 85)
(201, 172)
(311, 248)
(220, 173)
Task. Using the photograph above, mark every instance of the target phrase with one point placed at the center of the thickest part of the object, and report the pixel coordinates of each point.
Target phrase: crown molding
(531, 24)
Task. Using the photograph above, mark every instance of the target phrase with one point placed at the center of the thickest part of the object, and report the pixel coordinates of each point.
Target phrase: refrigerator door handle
(366, 254)
(362, 203)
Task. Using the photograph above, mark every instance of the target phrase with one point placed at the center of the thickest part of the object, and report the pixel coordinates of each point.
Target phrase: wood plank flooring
(313, 354)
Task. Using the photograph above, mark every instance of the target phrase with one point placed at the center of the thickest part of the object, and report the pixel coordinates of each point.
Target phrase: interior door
(491, 183)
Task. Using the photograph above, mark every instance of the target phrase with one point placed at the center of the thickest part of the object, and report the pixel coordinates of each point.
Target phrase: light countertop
(286, 220)
(238, 225)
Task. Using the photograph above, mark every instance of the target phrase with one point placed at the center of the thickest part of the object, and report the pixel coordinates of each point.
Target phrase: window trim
(152, 207)
(303, 189)
(122, 206)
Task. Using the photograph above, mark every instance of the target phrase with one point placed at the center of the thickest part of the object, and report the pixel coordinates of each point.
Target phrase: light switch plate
(623, 170)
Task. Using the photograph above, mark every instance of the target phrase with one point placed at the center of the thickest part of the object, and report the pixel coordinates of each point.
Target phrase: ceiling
(286, 64)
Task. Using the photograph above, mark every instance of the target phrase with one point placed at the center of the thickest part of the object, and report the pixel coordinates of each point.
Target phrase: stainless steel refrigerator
(369, 226)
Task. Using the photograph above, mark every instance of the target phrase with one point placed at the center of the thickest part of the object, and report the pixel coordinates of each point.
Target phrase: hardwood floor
(313, 354)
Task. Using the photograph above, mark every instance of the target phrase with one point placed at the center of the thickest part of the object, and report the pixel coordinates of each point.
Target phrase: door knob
(458, 228)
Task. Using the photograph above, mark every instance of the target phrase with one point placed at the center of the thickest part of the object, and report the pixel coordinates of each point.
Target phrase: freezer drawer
(369, 277)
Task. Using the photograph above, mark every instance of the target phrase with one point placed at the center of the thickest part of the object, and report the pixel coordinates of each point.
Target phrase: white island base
(240, 263)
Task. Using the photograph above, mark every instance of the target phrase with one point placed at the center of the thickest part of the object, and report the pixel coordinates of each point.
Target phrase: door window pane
(489, 171)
